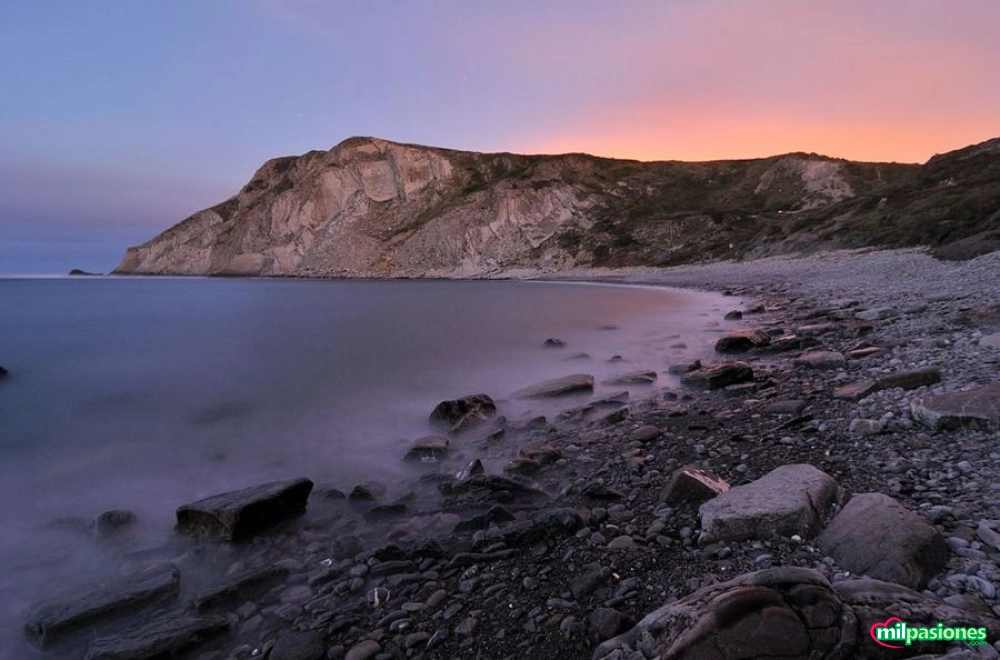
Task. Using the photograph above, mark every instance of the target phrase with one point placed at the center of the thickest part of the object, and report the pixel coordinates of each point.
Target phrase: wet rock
(622, 542)
(473, 469)
(365, 493)
(742, 341)
(242, 586)
(429, 449)
(645, 434)
(789, 500)
(540, 527)
(598, 491)
(691, 484)
(557, 387)
(112, 523)
(164, 637)
(910, 380)
(552, 342)
(98, 604)
(733, 315)
(462, 414)
(240, 514)
(633, 378)
(789, 407)
(877, 536)
(680, 368)
(716, 376)
(976, 408)
(607, 622)
(821, 360)
(590, 579)
(496, 514)
(3, 372)
(364, 650)
(295, 645)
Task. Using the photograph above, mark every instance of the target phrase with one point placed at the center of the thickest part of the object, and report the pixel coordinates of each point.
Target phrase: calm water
(144, 394)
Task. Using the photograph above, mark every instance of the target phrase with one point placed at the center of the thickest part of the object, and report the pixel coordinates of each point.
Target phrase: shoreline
(459, 581)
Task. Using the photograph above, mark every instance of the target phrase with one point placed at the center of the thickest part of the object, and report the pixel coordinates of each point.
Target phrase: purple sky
(118, 119)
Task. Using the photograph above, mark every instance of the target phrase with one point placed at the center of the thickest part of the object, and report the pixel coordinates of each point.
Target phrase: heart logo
(884, 624)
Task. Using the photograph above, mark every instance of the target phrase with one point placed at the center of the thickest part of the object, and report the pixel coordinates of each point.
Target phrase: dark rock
(112, 523)
(598, 491)
(552, 342)
(868, 351)
(691, 484)
(463, 414)
(633, 378)
(557, 387)
(429, 449)
(734, 315)
(607, 622)
(742, 341)
(3, 372)
(789, 407)
(856, 391)
(591, 577)
(165, 637)
(245, 585)
(363, 650)
(719, 375)
(645, 434)
(910, 380)
(681, 368)
(877, 536)
(364, 493)
(295, 645)
(522, 466)
(976, 408)
(240, 514)
(791, 499)
(540, 527)
(495, 514)
(473, 469)
(77, 271)
(101, 603)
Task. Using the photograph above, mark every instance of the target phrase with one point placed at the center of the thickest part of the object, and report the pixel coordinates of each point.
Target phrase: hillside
(373, 208)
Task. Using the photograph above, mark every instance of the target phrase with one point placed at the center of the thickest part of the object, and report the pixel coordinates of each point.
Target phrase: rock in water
(877, 536)
(164, 637)
(98, 604)
(236, 515)
(3, 372)
(465, 413)
(977, 408)
(557, 387)
(430, 448)
(742, 341)
(791, 499)
(646, 377)
(716, 376)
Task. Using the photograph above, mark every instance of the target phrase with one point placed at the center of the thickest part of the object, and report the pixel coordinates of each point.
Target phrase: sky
(119, 118)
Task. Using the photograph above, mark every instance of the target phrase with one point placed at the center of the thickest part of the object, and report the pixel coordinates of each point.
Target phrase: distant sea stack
(374, 208)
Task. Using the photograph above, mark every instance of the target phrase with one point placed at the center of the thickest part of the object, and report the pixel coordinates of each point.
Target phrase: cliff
(374, 208)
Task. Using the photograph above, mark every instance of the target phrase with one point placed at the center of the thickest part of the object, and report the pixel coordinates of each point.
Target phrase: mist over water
(144, 394)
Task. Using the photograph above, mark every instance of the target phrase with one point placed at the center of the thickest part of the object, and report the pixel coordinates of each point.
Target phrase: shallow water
(143, 394)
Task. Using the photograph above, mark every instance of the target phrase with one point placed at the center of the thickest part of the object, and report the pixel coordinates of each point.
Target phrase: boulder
(102, 603)
(910, 380)
(240, 514)
(791, 499)
(462, 414)
(785, 613)
(742, 341)
(557, 387)
(163, 637)
(633, 378)
(431, 448)
(733, 315)
(691, 484)
(877, 536)
(821, 360)
(976, 408)
(716, 376)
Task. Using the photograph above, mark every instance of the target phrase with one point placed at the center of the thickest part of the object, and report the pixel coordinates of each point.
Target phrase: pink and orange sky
(118, 119)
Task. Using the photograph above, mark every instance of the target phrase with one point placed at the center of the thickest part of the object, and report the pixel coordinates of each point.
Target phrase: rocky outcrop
(371, 207)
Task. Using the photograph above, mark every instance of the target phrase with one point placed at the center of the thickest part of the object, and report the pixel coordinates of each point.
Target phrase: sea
(143, 394)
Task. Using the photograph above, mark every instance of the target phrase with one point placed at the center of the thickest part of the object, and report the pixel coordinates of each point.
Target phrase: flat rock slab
(877, 536)
(240, 587)
(557, 387)
(458, 415)
(161, 638)
(550, 524)
(633, 378)
(910, 380)
(821, 360)
(717, 376)
(237, 515)
(976, 408)
(785, 613)
(741, 341)
(101, 603)
(791, 499)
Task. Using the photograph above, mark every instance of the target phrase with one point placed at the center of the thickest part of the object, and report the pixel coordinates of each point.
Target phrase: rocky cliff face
(374, 208)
